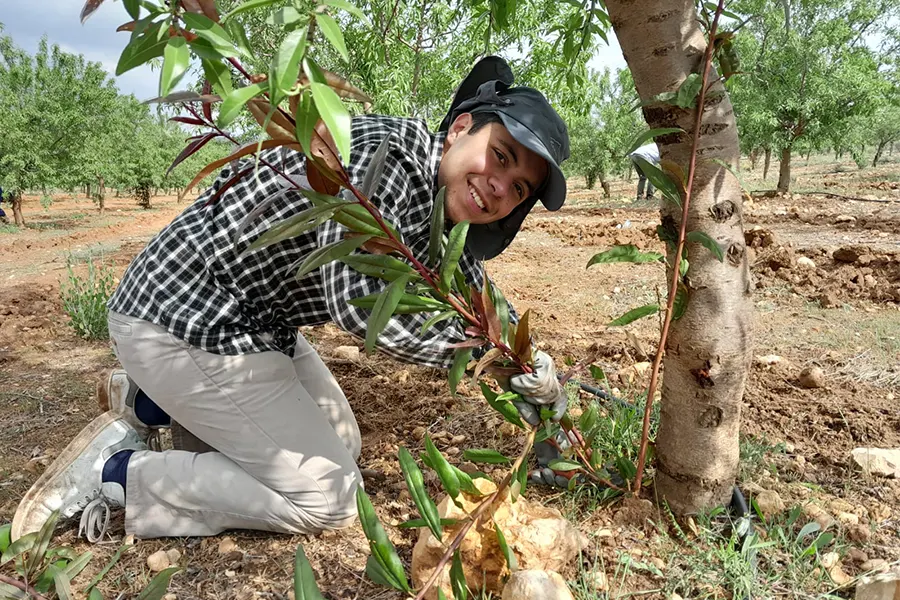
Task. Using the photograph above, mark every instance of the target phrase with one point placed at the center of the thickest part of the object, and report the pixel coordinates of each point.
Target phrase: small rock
(452, 451)
(227, 545)
(419, 433)
(847, 518)
(829, 300)
(346, 353)
(856, 555)
(174, 556)
(597, 581)
(770, 503)
(635, 512)
(873, 564)
(128, 540)
(859, 534)
(865, 259)
(170, 596)
(806, 263)
(229, 573)
(830, 559)
(468, 467)
(878, 461)
(870, 281)
(844, 219)
(536, 585)
(838, 575)
(658, 563)
(769, 360)
(403, 376)
(885, 586)
(819, 515)
(158, 561)
(812, 377)
(456, 440)
(507, 429)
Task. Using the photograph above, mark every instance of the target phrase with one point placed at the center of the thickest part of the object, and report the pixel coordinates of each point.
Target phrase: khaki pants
(286, 439)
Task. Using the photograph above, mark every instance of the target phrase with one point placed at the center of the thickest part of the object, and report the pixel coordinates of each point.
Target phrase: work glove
(539, 389)
(546, 453)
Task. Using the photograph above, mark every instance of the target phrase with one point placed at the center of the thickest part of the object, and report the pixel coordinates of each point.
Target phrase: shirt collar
(434, 159)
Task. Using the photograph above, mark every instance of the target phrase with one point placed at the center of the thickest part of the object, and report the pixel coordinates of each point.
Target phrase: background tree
(806, 79)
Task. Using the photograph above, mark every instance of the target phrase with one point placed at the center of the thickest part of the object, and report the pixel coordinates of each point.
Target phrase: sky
(99, 42)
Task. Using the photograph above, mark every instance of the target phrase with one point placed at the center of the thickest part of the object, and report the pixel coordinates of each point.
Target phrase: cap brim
(553, 193)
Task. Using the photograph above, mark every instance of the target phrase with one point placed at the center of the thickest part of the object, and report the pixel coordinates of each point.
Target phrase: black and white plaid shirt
(191, 280)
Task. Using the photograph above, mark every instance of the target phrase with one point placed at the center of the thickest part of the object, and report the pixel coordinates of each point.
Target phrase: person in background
(650, 153)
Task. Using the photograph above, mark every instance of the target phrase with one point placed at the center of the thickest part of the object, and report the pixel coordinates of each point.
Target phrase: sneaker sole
(62, 462)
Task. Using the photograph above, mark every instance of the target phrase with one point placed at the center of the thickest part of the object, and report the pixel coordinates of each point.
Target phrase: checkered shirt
(194, 280)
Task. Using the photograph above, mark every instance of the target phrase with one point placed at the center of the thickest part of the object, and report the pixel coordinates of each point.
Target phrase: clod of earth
(885, 586)
(346, 353)
(769, 503)
(158, 561)
(539, 537)
(878, 461)
(597, 581)
(536, 585)
(812, 378)
(849, 254)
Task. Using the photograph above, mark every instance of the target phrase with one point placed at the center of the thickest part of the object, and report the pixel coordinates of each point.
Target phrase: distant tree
(885, 130)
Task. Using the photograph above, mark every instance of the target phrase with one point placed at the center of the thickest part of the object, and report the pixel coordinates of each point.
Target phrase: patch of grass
(754, 452)
(84, 299)
(8, 228)
(778, 558)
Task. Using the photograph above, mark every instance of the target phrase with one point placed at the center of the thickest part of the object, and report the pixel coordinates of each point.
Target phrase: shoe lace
(95, 519)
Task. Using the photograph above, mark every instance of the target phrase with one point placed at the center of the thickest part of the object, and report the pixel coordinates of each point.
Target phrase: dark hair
(480, 119)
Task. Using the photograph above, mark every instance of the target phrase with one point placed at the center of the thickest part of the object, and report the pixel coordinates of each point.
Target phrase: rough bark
(16, 202)
(879, 149)
(708, 353)
(784, 170)
(754, 158)
(767, 161)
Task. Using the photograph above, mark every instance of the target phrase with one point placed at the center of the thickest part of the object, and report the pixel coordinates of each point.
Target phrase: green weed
(84, 300)
(754, 451)
(9, 228)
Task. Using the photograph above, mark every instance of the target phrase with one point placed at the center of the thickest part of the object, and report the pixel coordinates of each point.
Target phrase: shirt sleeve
(401, 338)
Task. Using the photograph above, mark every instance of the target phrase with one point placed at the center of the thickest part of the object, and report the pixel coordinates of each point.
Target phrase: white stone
(536, 585)
(884, 586)
(346, 353)
(769, 502)
(158, 561)
(806, 263)
(878, 461)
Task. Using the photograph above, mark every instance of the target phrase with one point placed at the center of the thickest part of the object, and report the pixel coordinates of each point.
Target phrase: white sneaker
(116, 393)
(73, 482)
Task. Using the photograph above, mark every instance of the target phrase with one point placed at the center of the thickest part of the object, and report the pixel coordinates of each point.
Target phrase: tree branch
(22, 586)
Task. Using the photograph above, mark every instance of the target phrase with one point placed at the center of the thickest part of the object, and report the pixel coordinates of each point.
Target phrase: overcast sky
(98, 41)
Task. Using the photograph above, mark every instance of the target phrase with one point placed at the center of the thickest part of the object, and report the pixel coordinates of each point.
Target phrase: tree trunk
(708, 351)
(16, 202)
(605, 185)
(767, 160)
(784, 170)
(808, 152)
(181, 193)
(754, 158)
(878, 150)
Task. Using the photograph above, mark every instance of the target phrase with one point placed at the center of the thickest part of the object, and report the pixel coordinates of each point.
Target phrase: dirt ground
(838, 310)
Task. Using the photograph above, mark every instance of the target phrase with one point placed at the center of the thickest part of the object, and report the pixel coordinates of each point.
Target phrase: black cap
(530, 119)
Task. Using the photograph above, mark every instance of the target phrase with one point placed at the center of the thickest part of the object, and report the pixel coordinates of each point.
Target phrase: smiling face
(488, 173)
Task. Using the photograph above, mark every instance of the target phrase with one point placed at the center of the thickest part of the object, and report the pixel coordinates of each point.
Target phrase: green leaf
(386, 562)
(133, 7)
(78, 564)
(326, 254)
(465, 483)
(286, 63)
(95, 594)
(378, 265)
(485, 455)
(292, 227)
(239, 35)
(455, 247)
(219, 76)
(417, 523)
(61, 583)
(710, 244)
(335, 115)
(379, 574)
(597, 373)
(809, 528)
(436, 236)
(157, 587)
(625, 253)
(688, 90)
(5, 540)
(247, 5)
(642, 137)
(141, 49)
(501, 306)
(589, 418)
(460, 359)
(210, 31)
(384, 310)
(681, 302)
(660, 180)
(443, 468)
(285, 16)
(440, 593)
(344, 5)
(42, 542)
(305, 586)
(449, 314)
(635, 314)
(549, 430)
(415, 483)
(626, 468)
(375, 168)
(458, 578)
(823, 540)
(409, 304)
(333, 34)
(307, 117)
(511, 561)
(235, 101)
(176, 59)
(503, 404)
(565, 465)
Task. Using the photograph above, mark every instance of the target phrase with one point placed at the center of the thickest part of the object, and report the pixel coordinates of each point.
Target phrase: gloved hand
(546, 453)
(539, 389)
